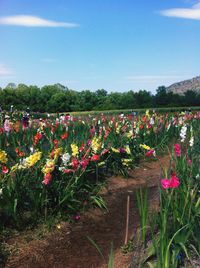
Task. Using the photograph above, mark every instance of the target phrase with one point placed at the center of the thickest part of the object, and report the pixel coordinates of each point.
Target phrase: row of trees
(57, 98)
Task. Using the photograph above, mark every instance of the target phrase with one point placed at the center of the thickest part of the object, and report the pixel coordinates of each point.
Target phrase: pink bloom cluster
(177, 149)
(173, 182)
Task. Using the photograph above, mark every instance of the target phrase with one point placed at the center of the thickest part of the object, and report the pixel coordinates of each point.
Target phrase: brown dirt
(69, 246)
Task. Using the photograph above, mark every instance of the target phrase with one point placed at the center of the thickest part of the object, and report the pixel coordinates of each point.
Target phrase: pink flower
(177, 149)
(84, 162)
(165, 183)
(5, 170)
(173, 182)
(150, 152)
(47, 179)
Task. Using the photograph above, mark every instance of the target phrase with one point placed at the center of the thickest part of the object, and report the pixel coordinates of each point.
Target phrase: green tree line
(57, 98)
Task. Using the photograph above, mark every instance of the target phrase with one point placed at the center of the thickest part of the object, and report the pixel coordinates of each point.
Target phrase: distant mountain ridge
(183, 86)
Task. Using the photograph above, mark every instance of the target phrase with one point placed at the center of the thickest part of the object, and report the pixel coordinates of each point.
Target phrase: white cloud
(34, 21)
(5, 71)
(185, 13)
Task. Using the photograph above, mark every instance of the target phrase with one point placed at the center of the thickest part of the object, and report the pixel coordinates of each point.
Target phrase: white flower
(152, 122)
(183, 133)
(1, 191)
(191, 141)
(65, 158)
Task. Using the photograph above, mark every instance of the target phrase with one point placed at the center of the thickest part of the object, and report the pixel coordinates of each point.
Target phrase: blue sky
(118, 45)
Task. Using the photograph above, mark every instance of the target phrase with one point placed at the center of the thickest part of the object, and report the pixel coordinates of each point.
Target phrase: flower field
(51, 168)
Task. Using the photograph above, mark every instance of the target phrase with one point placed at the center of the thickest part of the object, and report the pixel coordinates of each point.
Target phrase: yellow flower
(128, 149)
(129, 134)
(33, 159)
(101, 164)
(115, 150)
(49, 166)
(118, 130)
(96, 145)
(126, 162)
(74, 149)
(3, 157)
(14, 168)
(147, 113)
(144, 146)
(57, 153)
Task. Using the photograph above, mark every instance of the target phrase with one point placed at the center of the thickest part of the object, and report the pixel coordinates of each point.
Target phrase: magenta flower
(165, 183)
(177, 149)
(173, 182)
(150, 152)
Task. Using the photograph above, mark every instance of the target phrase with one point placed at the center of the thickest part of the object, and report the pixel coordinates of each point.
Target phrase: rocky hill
(183, 86)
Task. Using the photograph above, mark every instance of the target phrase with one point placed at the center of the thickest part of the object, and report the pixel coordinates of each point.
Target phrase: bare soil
(69, 245)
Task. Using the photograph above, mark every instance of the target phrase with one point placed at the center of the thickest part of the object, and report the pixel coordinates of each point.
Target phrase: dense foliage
(57, 98)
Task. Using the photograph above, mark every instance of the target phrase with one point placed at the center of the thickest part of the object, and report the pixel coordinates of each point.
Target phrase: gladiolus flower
(150, 152)
(95, 158)
(55, 142)
(165, 183)
(75, 163)
(64, 136)
(37, 137)
(122, 150)
(177, 149)
(173, 182)
(3, 157)
(5, 170)
(47, 179)
(84, 162)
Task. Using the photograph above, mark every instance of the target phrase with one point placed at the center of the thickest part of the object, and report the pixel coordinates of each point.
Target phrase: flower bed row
(52, 166)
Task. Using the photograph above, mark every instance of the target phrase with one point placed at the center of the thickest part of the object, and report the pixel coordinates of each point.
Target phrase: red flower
(52, 130)
(75, 163)
(141, 126)
(55, 142)
(95, 158)
(5, 170)
(21, 154)
(82, 147)
(64, 136)
(47, 178)
(37, 137)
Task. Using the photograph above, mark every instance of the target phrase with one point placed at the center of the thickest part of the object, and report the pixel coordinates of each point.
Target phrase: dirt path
(69, 246)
